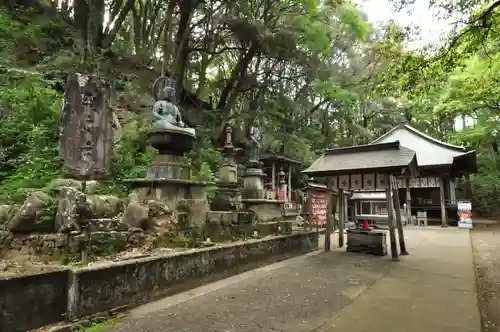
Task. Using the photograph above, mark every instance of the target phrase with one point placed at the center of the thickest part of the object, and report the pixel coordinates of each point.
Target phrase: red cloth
(365, 224)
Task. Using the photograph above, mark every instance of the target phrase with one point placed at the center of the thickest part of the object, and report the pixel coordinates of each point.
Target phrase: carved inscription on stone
(86, 137)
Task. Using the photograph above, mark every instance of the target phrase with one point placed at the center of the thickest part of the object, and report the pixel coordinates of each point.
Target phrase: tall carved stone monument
(253, 187)
(86, 135)
(227, 192)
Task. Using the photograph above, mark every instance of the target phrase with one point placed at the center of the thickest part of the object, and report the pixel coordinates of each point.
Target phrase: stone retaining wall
(98, 243)
(28, 302)
(98, 289)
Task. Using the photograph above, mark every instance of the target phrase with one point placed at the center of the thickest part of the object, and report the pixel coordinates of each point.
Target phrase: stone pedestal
(265, 209)
(227, 197)
(228, 225)
(253, 187)
(169, 179)
(268, 216)
(170, 162)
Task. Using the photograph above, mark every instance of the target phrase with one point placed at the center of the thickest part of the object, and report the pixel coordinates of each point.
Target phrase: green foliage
(26, 36)
(28, 133)
(316, 73)
(205, 159)
(132, 156)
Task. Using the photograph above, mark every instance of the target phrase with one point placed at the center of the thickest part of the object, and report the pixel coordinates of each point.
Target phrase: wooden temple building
(431, 195)
(366, 167)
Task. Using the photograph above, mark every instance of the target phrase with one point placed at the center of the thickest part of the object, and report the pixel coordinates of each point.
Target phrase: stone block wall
(131, 283)
(31, 301)
(98, 243)
(28, 302)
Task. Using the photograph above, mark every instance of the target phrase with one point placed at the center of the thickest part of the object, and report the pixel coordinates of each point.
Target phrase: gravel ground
(486, 243)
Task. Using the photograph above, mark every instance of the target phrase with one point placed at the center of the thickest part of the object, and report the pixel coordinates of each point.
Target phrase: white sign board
(464, 214)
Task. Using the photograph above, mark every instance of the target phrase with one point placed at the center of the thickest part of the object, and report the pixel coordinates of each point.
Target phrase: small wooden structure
(272, 165)
(317, 204)
(439, 164)
(371, 167)
(369, 205)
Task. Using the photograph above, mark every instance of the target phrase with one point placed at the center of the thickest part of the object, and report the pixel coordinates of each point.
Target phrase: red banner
(318, 206)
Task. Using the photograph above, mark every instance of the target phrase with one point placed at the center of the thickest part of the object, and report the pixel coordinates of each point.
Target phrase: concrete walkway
(431, 290)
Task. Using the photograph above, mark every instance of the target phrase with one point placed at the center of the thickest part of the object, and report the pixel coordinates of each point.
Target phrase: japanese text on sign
(318, 207)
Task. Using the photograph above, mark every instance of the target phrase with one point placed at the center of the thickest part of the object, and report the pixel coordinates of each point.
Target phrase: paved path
(432, 290)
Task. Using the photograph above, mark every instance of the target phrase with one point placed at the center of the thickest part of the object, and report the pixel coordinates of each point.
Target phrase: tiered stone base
(265, 209)
(226, 198)
(268, 215)
(179, 195)
(226, 225)
(253, 187)
(169, 167)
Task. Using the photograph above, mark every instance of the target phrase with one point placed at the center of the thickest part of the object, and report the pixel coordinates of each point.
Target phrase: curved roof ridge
(423, 135)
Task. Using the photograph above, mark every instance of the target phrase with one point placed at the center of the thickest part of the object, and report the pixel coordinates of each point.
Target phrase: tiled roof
(388, 157)
(430, 151)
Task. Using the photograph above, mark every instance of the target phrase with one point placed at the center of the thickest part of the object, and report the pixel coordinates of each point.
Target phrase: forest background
(316, 73)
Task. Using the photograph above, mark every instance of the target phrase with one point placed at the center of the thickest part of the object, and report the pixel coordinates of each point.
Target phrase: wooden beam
(290, 183)
(329, 215)
(309, 207)
(340, 199)
(399, 223)
(408, 198)
(444, 222)
(346, 212)
(273, 177)
(390, 218)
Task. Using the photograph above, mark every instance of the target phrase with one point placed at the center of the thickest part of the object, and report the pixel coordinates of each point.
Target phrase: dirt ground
(486, 245)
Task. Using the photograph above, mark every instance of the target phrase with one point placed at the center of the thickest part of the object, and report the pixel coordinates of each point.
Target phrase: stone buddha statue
(255, 141)
(166, 115)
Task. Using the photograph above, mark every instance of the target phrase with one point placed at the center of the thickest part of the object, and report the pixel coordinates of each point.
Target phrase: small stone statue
(255, 141)
(166, 115)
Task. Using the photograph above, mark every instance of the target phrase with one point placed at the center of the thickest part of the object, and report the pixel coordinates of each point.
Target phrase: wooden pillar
(408, 198)
(290, 183)
(442, 202)
(399, 223)
(452, 189)
(273, 177)
(329, 215)
(346, 211)
(309, 209)
(340, 199)
(390, 219)
(353, 214)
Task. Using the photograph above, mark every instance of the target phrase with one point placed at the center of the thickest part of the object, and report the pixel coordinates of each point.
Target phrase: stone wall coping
(142, 260)
(34, 274)
(160, 181)
(261, 201)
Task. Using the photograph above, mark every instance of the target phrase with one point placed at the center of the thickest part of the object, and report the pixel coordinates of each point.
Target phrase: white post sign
(464, 214)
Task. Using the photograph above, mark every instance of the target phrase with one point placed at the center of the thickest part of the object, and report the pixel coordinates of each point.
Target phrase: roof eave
(421, 134)
(384, 170)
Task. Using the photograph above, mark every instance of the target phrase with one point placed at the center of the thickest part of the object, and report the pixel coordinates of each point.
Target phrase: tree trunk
(186, 10)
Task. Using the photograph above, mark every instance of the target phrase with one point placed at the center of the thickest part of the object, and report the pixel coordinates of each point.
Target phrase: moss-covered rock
(104, 206)
(35, 214)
